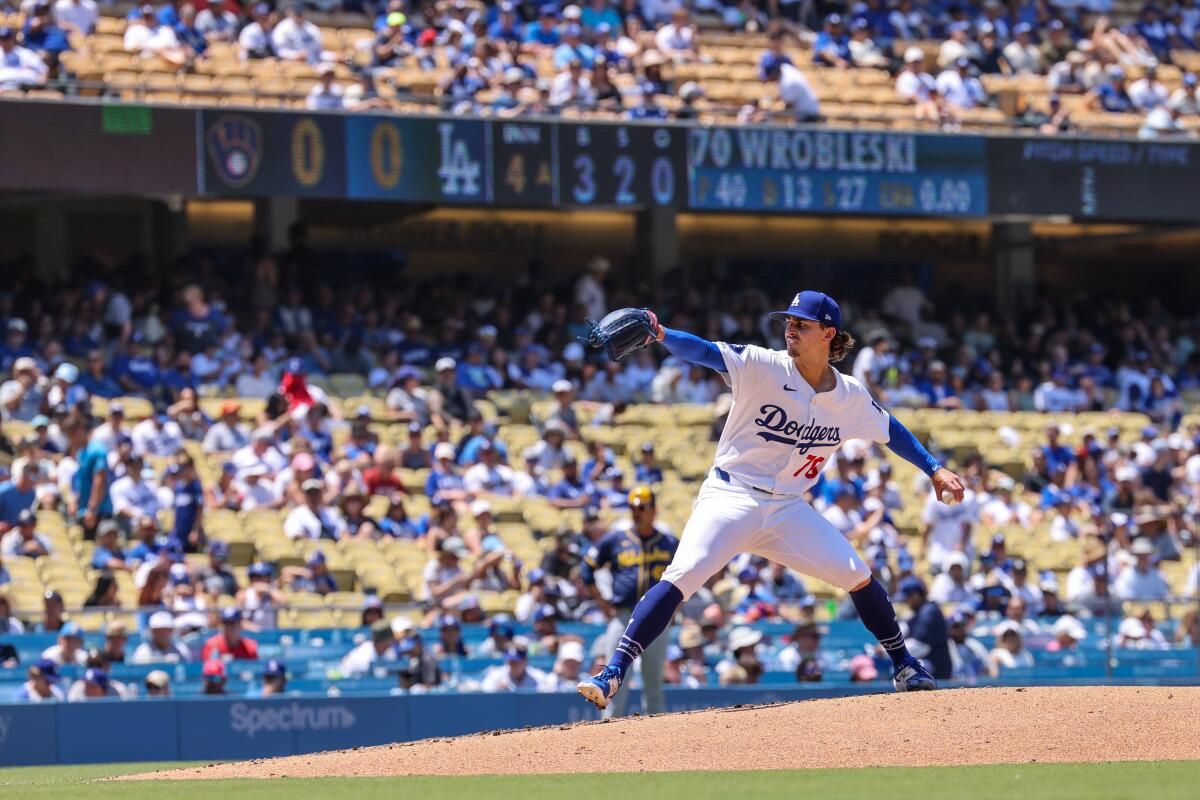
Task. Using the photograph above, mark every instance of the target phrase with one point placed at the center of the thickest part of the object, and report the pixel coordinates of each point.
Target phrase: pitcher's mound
(950, 727)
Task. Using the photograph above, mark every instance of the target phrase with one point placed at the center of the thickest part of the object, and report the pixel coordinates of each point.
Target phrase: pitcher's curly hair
(841, 344)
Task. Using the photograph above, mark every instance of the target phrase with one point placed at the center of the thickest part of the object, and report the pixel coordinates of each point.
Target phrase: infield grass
(1161, 780)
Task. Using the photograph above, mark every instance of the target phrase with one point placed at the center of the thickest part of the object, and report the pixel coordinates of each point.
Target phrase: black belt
(723, 475)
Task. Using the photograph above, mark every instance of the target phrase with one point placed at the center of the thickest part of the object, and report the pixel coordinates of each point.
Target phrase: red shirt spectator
(380, 477)
(230, 642)
(381, 481)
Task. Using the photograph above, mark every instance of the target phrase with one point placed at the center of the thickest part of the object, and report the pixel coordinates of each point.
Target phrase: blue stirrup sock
(651, 616)
(876, 612)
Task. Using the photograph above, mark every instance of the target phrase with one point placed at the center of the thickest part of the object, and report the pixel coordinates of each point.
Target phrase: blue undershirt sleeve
(694, 350)
(905, 445)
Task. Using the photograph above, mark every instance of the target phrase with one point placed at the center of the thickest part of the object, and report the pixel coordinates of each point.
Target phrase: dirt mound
(952, 727)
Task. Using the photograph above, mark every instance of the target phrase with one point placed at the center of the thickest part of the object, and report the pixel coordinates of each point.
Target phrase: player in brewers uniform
(636, 552)
(791, 412)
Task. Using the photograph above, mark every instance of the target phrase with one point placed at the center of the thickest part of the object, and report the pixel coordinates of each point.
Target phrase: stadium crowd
(626, 58)
(434, 351)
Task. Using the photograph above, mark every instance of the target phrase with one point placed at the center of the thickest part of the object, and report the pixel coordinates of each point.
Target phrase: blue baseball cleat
(911, 676)
(599, 689)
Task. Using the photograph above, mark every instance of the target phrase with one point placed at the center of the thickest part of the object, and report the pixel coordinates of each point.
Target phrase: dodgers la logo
(787, 431)
(235, 149)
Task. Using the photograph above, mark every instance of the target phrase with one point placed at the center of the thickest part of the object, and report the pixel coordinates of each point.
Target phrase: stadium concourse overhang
(989, 215)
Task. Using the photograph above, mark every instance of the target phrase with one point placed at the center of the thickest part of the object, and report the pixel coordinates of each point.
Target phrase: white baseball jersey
(780, 431)
(777, 439)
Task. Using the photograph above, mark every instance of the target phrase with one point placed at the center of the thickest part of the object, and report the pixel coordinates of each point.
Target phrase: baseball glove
(623, 331)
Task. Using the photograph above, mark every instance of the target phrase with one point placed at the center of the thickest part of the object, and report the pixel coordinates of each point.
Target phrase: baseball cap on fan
(815, 306)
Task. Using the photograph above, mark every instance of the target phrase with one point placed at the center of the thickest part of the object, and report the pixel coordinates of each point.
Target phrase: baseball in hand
(947, 497)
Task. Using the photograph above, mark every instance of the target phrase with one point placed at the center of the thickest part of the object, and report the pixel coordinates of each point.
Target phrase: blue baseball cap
(259, 569)
(97, 677)
(502, 626)
(515, 654)
(815, 306)
(71, 629)
(536, 575)
(275, 669)
(448, 621)
(294, 366)
(231, 614)
(545, 611)
(770, 63)
(219, 550)
(47, 669)
(548, 10)
(909, 585)
(316, 557)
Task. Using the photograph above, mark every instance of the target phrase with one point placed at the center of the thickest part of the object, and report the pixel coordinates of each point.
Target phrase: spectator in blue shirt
(879, 18)
(15, 345)
(505, 28)
(186, 30)
(314, 576)
(24, 540)
(572, 491)
(187, 531)
(169, 14)
(91, 502)
(148, 545)
(197, 324)
(1160, 35)
(95, 381)
(173, 378)
(395, 522)
(44, 37)
(600, 12)
(832, 46)
(445, 483)
(647, 108)
(1056, 454)
(544, 30)
(572, 48)
(135, 369)
(475, 376)
(42, 684)
(928, 637)
(648, 470)
(1112, 96)
(937, 388)
(108, 555)
(17, 495)
(774, 56)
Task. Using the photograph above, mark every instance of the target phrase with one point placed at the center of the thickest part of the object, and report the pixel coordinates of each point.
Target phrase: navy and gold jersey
(636, 563)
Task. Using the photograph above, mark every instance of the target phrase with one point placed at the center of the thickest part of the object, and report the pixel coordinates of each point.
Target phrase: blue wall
(197, 729)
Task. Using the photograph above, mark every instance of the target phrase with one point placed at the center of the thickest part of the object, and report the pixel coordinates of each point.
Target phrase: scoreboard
(620, 165)
(1096, 179)
(576, 164)
(836, 172)
(546, 163)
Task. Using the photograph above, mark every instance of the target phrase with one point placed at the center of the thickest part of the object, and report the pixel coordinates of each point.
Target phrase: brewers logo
(235, 149)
